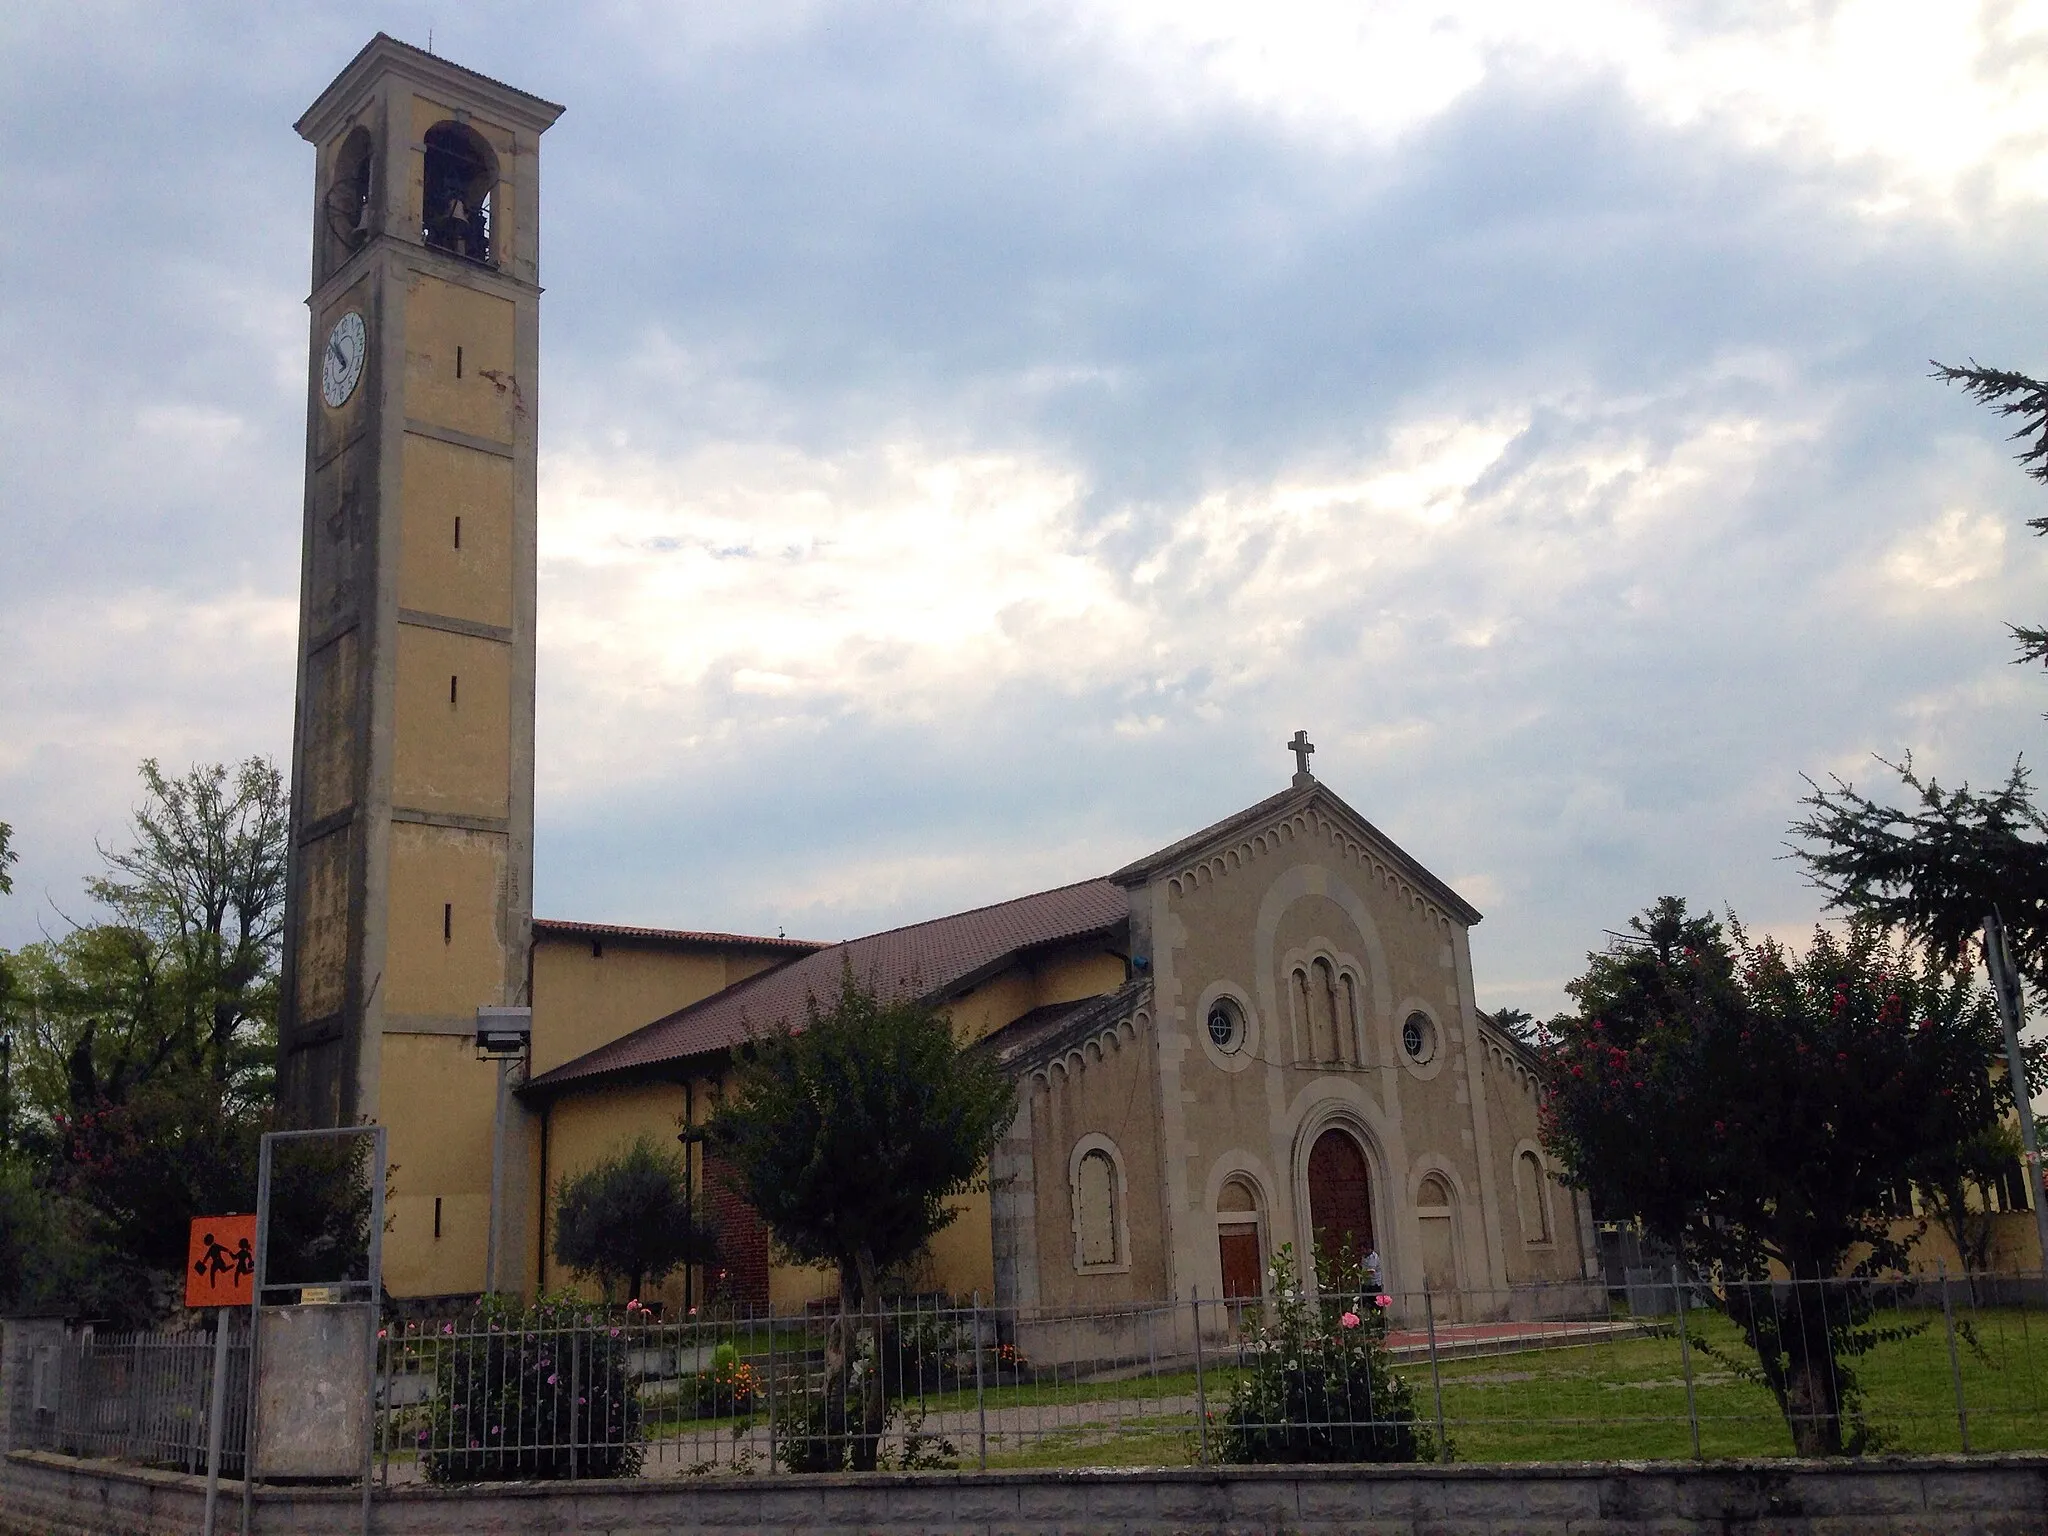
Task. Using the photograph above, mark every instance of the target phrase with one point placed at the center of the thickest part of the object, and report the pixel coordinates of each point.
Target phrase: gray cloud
(1678, 536)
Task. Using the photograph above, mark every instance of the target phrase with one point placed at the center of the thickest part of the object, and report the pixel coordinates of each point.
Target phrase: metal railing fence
(1681, 1368)
(139, 1397)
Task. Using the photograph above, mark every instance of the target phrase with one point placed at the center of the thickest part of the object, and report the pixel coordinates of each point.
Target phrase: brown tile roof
(1138, 871)
(556, 925)
(934, 959)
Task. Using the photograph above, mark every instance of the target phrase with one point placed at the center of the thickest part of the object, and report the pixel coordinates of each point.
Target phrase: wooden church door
(1244, 1268)
(1340, 1194)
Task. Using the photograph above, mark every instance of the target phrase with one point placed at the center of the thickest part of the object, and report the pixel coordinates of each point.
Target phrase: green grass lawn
(1621, 1398)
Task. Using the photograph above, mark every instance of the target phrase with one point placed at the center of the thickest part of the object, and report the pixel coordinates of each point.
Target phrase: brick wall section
(1957, 1496)
(742, 1240)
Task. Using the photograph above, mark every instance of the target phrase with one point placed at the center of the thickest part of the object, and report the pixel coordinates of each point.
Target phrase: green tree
(1935, 865)
(1752, 1107)
(628, 1220)
(849, 1135)
(1955, 1182)
(144, 1043)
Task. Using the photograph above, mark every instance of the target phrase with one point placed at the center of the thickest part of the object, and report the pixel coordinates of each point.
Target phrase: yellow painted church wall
(588, 1127)
(1062, 975)
(582, 999)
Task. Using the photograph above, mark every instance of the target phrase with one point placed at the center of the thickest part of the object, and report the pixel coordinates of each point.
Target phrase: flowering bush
(1320, 1386)
(514, 1387)
(728, 1390)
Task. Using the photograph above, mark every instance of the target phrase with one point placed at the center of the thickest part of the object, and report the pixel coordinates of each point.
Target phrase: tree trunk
(1812, 1406)
(873, 1406)
(1795, 1352)
(839, 1358)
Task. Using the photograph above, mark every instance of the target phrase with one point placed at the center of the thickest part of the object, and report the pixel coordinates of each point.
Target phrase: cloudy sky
(974, 437)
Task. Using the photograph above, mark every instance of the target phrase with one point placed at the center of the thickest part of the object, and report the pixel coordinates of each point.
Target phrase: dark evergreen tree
(1935, 866)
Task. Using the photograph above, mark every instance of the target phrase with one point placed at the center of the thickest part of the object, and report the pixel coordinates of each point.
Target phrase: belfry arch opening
(458, 192)
(346, 205)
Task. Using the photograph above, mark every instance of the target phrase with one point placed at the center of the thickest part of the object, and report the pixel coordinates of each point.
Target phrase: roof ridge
(642, 930)
(1287, 802)
(953, 917)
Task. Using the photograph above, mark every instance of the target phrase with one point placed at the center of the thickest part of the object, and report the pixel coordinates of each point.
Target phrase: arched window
(1101, 1229)
(1322, 1003)
(458, 191)
(1237, 1241)
(1347, 1015)
(345, 209)
(1529, 1201)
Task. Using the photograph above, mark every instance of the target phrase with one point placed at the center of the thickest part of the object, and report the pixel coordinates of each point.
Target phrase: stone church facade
(1264, 1034)
(1261, 1034)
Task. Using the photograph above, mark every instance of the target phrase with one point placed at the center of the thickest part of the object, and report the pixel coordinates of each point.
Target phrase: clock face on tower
(341, 367)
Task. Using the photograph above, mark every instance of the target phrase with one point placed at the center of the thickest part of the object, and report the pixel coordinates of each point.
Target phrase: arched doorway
(1238, 1248)
(1340, 1194)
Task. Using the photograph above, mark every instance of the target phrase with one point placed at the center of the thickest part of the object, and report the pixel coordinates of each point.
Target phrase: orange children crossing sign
(220, 1263)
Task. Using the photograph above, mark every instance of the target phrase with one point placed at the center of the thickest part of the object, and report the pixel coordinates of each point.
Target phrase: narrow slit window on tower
(451, 687)
(447, 922)
(458, 362)
(458, 532)
(437, 1218)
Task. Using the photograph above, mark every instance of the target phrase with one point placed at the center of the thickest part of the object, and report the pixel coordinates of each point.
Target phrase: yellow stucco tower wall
(410, 895)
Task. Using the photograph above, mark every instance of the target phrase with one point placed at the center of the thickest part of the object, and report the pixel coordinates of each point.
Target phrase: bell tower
(410, 894)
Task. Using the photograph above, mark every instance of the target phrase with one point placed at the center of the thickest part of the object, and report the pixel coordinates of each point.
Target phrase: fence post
(217, 1398)
(1201, 1391)
(1955, 1369)
(1436, 1380)
(1692, 1407)
(575, 1389)
(980, 1402)
(771, 1387)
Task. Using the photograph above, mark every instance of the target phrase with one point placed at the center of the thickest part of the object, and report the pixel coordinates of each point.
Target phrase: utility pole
(2005, 982)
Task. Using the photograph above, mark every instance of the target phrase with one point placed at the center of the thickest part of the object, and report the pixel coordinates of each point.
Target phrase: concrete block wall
(44, 1495)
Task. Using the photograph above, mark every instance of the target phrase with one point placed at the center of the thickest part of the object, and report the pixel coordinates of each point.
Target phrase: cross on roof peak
(1301, 746)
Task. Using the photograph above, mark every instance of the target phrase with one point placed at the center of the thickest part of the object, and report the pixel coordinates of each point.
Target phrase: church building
(1266, 1033)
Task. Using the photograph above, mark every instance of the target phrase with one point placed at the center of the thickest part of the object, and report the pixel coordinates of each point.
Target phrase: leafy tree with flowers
(1319, 1384)
(1756, 1107)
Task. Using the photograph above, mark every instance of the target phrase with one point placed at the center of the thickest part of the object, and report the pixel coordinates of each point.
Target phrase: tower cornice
(386, 55)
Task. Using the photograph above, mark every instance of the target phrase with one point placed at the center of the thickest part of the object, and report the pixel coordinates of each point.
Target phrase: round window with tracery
(1418, 1037)
(1226, 1025)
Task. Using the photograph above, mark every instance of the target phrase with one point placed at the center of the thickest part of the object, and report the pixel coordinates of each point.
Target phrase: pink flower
(1349, 1319)
(633, 1305)
(447, 1327)
(1383, 1301)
